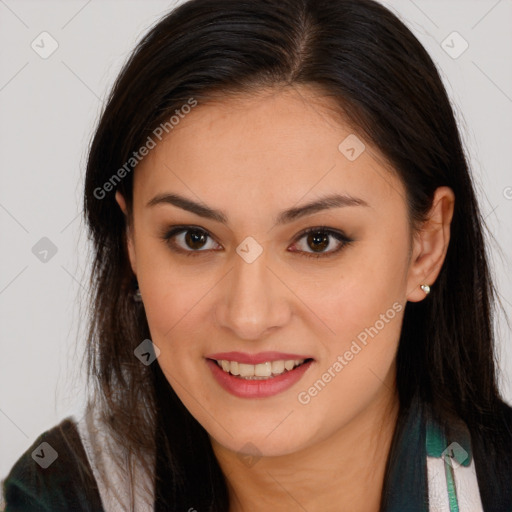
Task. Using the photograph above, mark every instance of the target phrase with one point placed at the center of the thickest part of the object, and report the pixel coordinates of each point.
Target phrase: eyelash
(341, 237)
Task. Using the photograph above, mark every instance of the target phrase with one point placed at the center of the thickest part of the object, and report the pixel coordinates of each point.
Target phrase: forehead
(274, 146)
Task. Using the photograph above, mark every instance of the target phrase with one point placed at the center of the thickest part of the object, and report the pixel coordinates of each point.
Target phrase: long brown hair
(363, 57)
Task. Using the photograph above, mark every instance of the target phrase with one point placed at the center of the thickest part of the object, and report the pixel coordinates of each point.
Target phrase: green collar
(418, 436)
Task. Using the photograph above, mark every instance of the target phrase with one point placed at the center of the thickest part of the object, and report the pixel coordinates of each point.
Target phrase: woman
(292, 304)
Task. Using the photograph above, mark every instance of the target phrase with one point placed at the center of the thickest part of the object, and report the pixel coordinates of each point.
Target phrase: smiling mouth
(261, 371)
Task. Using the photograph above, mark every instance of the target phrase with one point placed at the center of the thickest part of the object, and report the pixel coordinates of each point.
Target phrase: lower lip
(257, 388)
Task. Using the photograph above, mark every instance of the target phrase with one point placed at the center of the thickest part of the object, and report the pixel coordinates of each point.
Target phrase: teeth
(277, 367)
(259, 371)
(246, 370)
(233, 368)
(289, 365)
(263, 370)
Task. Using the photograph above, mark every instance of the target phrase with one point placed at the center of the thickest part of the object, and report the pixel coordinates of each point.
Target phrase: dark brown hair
(365, 59)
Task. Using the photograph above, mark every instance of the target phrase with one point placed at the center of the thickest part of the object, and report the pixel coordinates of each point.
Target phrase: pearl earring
(425, 288)
(137, 297)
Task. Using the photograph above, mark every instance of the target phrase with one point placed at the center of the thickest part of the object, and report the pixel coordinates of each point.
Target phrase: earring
(137, 297)
(425, 288)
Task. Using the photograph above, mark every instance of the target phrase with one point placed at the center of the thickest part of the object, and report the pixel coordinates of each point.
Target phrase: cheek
(360, 346)
(358, 359)
(170, 287)
(169, 294)
(173, 305)
(176, 330)
(353, 295)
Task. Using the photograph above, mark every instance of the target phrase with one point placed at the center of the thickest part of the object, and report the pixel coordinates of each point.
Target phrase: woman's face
(244, 285)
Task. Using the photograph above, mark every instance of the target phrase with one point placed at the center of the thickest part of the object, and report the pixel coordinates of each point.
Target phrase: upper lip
(261, 357)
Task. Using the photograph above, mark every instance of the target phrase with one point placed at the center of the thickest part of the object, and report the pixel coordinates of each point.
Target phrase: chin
(261, 444)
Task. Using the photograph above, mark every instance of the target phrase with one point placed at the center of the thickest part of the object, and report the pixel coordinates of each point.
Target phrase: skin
(252, 157)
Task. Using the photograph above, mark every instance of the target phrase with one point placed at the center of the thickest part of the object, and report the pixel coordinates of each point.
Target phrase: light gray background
(48, 109)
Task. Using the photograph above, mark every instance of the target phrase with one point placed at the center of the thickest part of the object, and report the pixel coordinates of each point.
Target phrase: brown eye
(189, 240)
(317, 240)
(195, 239)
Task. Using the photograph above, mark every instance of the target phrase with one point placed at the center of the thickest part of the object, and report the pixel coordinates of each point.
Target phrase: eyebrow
(284, 217)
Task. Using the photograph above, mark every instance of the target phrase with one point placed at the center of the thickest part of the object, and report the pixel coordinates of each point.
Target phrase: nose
(253, 301)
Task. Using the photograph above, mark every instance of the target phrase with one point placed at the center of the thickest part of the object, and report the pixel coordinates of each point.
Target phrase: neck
(343, 472)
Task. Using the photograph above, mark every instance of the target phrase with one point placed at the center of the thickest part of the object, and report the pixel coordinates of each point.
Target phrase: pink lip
(245, 388)
(261, 357)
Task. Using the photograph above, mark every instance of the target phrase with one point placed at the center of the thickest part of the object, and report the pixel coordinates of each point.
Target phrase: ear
(430, 244)
(129, 231)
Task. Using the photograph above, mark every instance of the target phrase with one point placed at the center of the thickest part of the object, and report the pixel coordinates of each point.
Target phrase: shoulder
(53, 475)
